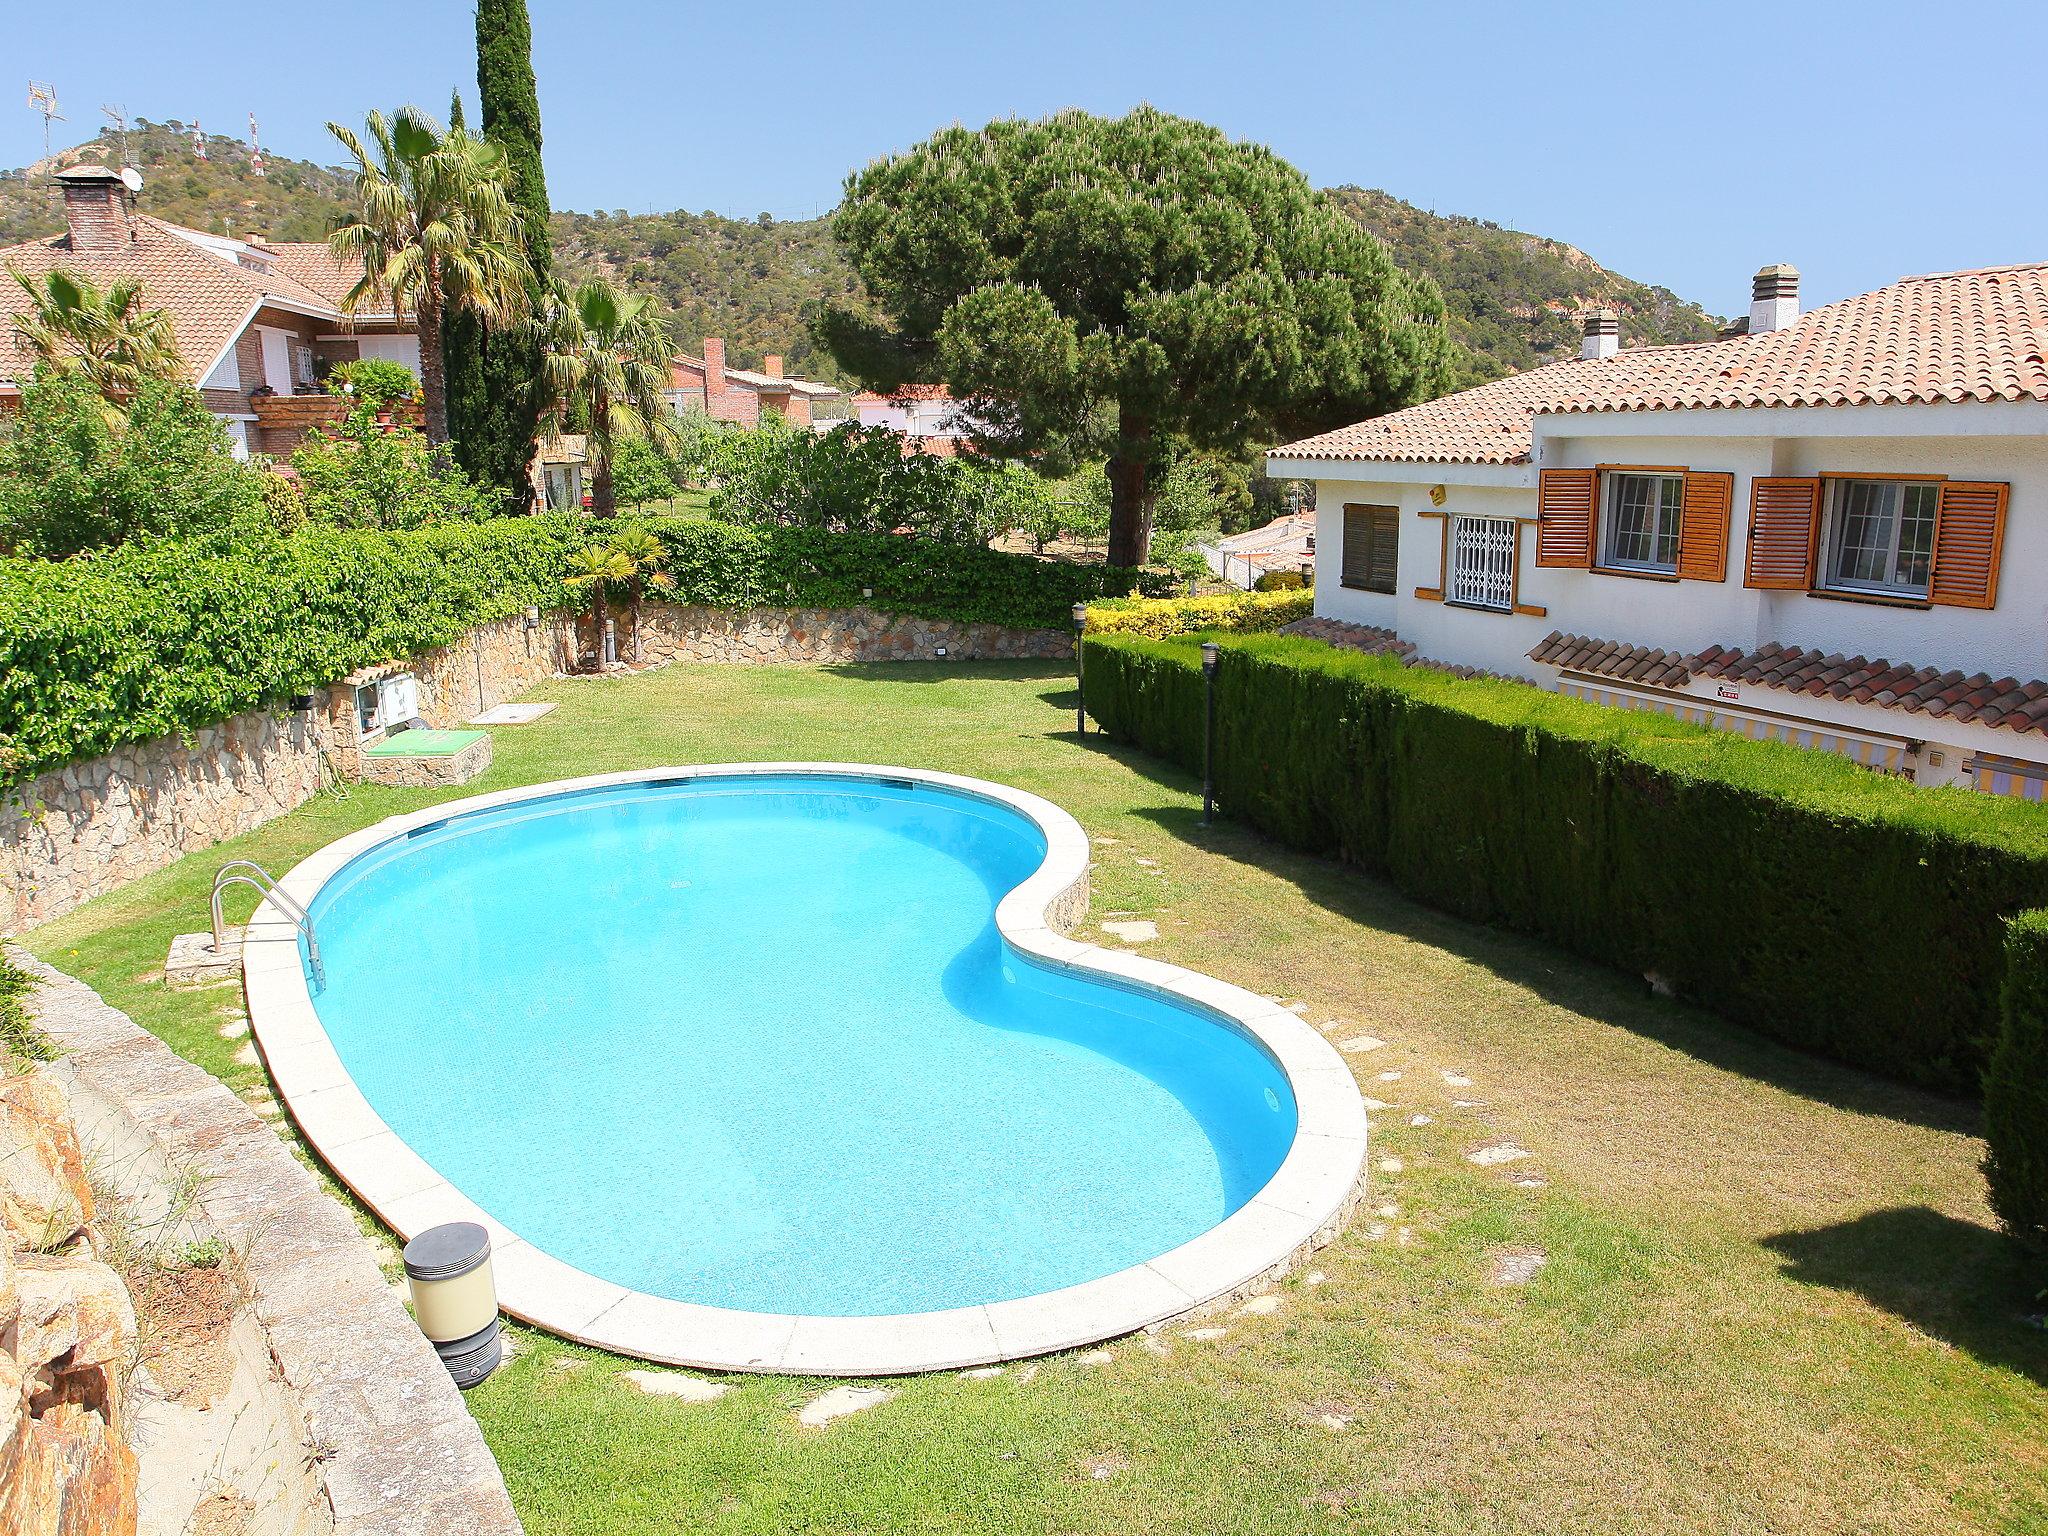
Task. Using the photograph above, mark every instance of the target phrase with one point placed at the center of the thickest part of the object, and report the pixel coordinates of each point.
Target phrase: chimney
(96, 208)
(1773, 299)
(714, 368)
(772, 365)
(1603, 334)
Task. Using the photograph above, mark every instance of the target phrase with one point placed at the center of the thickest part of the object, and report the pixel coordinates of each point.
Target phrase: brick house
(705, 385)
(1828, 528)
(258, 325)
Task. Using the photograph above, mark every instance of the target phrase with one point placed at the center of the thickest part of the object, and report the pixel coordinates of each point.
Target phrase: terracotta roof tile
(1952, 336)
(2005, 702)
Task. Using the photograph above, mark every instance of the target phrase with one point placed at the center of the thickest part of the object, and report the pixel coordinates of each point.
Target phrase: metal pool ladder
(248, 872)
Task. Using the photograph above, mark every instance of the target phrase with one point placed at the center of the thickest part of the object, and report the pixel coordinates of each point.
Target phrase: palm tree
(435, 229)
(103, 335)
(605, 361)
(648, 555)
(594, 568)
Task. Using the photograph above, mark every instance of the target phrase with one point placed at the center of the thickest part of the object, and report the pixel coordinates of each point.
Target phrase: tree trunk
(604, 501)
(597, 618)
(638, 582)
(433, 373)
(1131, 491)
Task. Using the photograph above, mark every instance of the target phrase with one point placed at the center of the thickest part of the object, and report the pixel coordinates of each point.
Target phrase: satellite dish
(131, 178)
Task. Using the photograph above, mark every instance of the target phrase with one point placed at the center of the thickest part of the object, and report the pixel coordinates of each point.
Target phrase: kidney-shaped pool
(792, 1041)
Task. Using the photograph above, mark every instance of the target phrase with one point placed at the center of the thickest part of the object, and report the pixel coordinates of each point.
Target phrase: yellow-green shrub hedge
(1158, 617)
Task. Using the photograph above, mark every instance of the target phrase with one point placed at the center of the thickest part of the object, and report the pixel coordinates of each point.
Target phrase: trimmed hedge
(2016, 1089)
(151, 640)
(1159, 617)
(1833, 908)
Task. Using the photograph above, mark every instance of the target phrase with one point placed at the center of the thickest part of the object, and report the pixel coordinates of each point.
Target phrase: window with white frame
(1482, 563)
(1880, 535)
(1642, 516)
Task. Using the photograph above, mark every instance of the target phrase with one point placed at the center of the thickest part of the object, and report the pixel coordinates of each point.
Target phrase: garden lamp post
(1211, 653)
(1080, 680)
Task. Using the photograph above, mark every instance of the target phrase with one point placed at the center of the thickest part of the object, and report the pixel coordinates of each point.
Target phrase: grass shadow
(920, 671)
(1951, 1279)
(1554, 974)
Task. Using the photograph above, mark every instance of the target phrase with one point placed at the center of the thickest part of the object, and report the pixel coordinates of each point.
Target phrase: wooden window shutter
(1969, 538)
(1784, 532)
(1703, 526)
(1372, 541)
(1564, 517)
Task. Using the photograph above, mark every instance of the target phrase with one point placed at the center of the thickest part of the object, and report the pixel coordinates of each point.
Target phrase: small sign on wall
(1732, 695)
(1436, 496)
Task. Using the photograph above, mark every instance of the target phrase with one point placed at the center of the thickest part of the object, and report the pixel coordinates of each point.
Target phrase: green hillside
(1512, 296)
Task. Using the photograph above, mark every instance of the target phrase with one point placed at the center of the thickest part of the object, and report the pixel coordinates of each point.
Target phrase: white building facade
(1832, 529)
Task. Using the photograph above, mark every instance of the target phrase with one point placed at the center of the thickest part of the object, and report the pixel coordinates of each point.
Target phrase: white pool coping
(1299, 1208)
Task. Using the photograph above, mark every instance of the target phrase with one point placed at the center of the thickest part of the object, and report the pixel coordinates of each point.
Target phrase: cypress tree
(495, 396)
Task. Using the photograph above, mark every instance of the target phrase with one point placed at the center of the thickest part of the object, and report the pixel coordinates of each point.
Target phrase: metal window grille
(1483, 562)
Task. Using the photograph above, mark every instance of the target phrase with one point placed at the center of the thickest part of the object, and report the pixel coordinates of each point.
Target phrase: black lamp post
(1080, 681)
(1211, 654)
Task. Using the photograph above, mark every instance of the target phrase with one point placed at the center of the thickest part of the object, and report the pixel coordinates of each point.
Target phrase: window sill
(1837, 595)
(1615, 570)
(1452, 602)
(1359, 586)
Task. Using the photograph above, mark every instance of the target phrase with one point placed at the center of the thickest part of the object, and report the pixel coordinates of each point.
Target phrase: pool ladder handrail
(259, 880)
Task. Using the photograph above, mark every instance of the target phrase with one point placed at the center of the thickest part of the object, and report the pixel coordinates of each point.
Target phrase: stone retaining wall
(397, 1452)
(81, 831)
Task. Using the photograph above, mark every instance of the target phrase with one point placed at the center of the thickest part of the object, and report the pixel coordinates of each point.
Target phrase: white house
(925, 416)
(1831, 528)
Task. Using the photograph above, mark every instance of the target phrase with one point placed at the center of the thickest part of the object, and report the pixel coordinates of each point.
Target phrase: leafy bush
(640, 473)
(1836, 909)
(20, 1040)
(376, 381)
(1280, 581)
(1163, 616)
(159, 639)
(76, 474)
(360, 474)
(2016, 1088)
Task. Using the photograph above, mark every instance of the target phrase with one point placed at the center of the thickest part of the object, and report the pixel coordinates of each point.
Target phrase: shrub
(2016, 1088)
(360, 474)
(1280, 581)
(1164, 616)
(154, 640)
(20, 1040)
(376, 381)
(76, 474)
(1835, 909)
(640, 473)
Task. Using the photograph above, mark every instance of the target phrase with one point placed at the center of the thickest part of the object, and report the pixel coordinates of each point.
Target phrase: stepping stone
(1418, 1120)
(1391, 1165)
(1149, 863)
(1376, 1231)
(1358, 1045)
(1391, 1077)
(269, 1109)
(1335, 1423)
(1156, 1346)
(1388, 1212)
(1138, 931)
(246, 1056)
(1205, 1335)
(688, 1389)
(194, 962)
(1529, 1181)
(1516, 1266)
(1493, 1157)
(982, 1373)
(1468, 1103)
(1094, 1357)
(840, 1402)
(1107, 842)
(1404, 1237)
(1028, 1375)
(1314, 1277)
(1453, 1080)
(1372, 1104)
(511, 714)
(1260, 1306)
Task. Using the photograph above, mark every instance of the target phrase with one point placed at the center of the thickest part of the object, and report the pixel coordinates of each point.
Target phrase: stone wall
(394, 1450)
(90, 828)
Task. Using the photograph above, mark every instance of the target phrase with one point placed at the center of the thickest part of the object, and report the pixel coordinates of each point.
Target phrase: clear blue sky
(1677, 143)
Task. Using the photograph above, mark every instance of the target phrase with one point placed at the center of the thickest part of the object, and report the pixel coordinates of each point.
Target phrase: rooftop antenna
(42, 97)
(117, 114)
(255, 148)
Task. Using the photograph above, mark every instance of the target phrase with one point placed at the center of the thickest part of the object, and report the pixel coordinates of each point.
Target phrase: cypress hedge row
(2016, 1088)
(158, 639)
(1835, 909)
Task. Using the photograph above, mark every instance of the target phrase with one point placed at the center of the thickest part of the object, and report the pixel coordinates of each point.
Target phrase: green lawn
(1773, 1300)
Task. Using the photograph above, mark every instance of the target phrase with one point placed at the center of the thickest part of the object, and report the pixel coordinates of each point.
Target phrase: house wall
(2010, 639)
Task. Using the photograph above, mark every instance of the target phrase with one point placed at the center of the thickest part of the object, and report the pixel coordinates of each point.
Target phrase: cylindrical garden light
(448, 1270)
(1080, 679)
(1211, 654)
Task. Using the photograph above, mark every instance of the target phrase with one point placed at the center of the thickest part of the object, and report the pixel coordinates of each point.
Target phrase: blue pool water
(755, 1042)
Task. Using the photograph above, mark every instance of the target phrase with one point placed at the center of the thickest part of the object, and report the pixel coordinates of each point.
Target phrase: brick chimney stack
(714, 370)
(772, 365)
(96, 209)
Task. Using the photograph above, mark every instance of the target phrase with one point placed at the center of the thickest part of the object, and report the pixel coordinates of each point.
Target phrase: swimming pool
(780, 1066)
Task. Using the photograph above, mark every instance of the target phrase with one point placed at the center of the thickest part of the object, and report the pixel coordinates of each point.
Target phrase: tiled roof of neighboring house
(209, 297)
(907, 392)
(765, 383)
(2005, 701)
(1288, 532)
(1949, 337)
